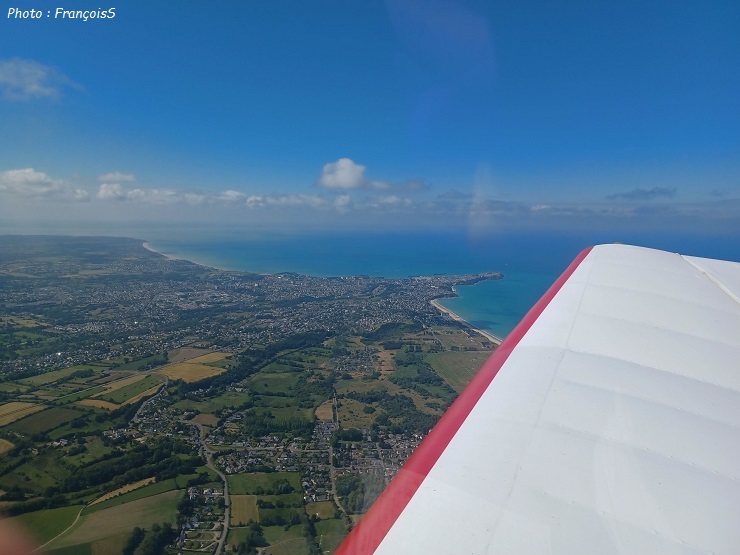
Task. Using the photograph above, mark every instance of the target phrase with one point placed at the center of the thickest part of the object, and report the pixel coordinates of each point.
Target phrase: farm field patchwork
(190, 371)
(46, 420)
(122, 519)
(15, 410)
(127, 392)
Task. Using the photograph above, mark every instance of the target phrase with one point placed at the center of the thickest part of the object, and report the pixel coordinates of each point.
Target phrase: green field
(38, 473)
(325, 509)
(46, 524)
(243, 509)
(229, 399)
(285, 542)
(141, 493)
(94, 450)
(247, 483)
(50, 377)
(84, 394)
(45, 420)
(266, 384)
(457, 368)
(330, 534)
(13, 387)
(122, 519)
(120, 396)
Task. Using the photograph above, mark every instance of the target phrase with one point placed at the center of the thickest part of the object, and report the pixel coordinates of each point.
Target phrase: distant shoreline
(148, 247)
(145, 244)
(446, 311)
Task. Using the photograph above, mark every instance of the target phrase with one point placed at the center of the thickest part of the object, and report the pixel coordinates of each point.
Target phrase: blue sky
(374, 115)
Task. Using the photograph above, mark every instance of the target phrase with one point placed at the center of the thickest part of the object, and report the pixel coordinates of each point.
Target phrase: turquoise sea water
(530, 263)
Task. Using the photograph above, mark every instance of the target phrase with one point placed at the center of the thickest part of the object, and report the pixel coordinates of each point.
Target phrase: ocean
(529, 262)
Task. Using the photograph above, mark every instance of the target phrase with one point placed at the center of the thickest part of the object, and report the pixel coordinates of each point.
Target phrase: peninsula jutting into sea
(231, 409)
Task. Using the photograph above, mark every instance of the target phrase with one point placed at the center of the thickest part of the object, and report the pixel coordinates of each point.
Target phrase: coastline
(145, 244)
(434, 302)
(447, 312)
(148, 247)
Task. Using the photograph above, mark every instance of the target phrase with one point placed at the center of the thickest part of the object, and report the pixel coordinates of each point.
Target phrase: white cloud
(311, 201)
(29, 182)
(343, 174)
(116, 177)
(346, 174)
(22, 80)
(114, 191)
(111, 191)
(231, 196)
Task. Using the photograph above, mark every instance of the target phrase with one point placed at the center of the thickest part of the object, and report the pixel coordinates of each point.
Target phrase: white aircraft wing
(607, 422)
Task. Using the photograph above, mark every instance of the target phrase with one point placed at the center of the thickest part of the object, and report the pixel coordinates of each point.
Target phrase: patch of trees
(400, 408)
(254, 539)
(359, 492)
(157, 539)
(279, 517)
(137, 536)
(350, 434)
(258, 425)
(53, 502)
(143, 461)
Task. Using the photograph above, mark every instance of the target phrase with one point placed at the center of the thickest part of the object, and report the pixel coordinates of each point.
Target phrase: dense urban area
(152, 405)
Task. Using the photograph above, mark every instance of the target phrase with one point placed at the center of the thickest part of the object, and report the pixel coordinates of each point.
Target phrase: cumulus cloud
(108, 191)
(29, 182)
(116, 177)
(343, 174)
(346, 174)
(23, 80)
(644, 194)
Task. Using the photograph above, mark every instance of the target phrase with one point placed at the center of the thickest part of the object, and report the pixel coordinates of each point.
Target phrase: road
(209, 463)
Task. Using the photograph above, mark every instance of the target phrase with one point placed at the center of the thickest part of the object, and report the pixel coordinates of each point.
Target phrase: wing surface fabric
(607, 422)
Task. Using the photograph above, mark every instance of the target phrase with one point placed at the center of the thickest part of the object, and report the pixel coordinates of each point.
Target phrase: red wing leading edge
(607, 422)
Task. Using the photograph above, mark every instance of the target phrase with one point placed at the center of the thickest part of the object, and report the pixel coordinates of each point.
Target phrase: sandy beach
(150, 249)
(492, 338)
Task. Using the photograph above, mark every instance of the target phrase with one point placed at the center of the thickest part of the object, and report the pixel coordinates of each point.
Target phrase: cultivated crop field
(457, 368)
(243, 509)
(46, 420)
(190, 371)
(130, 391)
(122, 519)
(15, 410)
(122, 490)
(5, 446)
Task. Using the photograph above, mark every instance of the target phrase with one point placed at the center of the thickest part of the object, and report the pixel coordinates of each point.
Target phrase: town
(220, 411)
